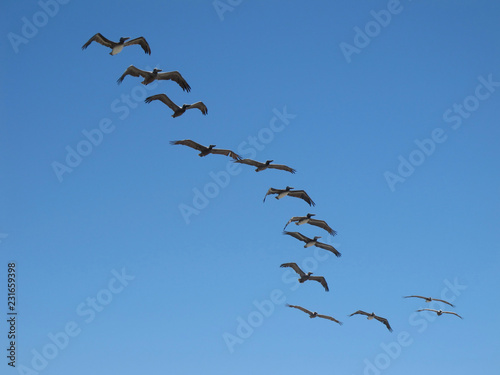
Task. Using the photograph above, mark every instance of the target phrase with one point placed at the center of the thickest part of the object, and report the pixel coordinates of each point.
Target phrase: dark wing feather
(427, 310)
(385, 321)
(442, 300)
(282, 167)
(230, 153)
(298, 236)
(329, 248)
(142, 42)
(295, 267)
(300, 308)
(452, 313)
(134, 72)
(101, 40)
(322, 224)
(176, 77)
(302, 195)
(165, 99)
(199, 105)
(295, 218)
(360, 312)
(271, 190)
(321, 280)
(329, 318)
(415, 297)
(189, 143)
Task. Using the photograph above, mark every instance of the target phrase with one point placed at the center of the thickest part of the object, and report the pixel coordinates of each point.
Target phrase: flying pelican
(174, 107)
(304, 277)
(313, 242)
(315, 314)
(117, 47)
(206, 150)
(299, 220)
(441, 312)
(373, 316)
(292, 193)
(155, 74)
(429, 299)
(267, 164)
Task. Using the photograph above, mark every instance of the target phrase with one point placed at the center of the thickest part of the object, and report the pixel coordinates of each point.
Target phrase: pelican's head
(157, 70)
(309, 215)
(123, 39)
(289, 188)
(309, 273)
(269, 162)
(211, 147)
(315, 238)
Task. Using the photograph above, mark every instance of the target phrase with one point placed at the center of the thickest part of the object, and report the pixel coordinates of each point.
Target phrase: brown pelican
(155, 74)
(117, 47)
(441, 312)
(315, 314)
(267, 164)
(174, 107)
(304, 277)
(299, 220)
(313, 242)
(206, 150)
(292, 193)
(373, 316)
(429, 299)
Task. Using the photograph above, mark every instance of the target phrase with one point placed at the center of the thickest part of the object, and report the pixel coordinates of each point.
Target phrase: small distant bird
(304, 277)
(315, 314)
(373, 316)
(441, 312)
(289, 192)
(155, 75)
(299, 220)
(429, 299)
(174, 107)
(313, 242)
(262, 166)
(117, 47)
(206, 150)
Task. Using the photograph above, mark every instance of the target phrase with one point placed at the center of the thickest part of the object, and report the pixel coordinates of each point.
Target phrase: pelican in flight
(304, 277)
(315, 314)
(155, 75)
(429, 299)
(206, 150)
(441, 312)
(116, 47)
(299, 220)
(313, 242)
(262, 166)
(289, 192)
(373, 316)
(174, 107)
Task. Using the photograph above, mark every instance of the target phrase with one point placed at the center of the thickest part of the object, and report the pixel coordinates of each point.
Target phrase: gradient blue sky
(195, 279)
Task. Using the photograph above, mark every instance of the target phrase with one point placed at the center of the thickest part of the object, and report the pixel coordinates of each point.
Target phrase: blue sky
(151, 259)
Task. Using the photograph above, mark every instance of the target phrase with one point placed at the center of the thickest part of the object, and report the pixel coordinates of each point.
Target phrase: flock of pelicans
(149, 77)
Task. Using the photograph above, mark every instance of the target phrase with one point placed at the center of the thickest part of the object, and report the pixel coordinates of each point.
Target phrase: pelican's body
(117, 47)
(281, 193)
(300, 220)
(263, 166)
(155, 75)
(441, 312)
(430, 299)
(314, 314)
(313, 242)
(306, 276)
(174, 107)
(373, 316)
(206, 150)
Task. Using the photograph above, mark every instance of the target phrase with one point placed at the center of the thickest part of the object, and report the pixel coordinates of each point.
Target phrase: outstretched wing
(298, 236)
(436, 311)
(133, 71)
(321, 280)
(359, 312)
(176, 77)
(250, 162)
(202, 107)
(300, 308)
(230, 153)
(293, 219)
(165, 99)
(99, 39)
(442, 300)
(270, 191)
(415, 297)
(142, 42)
(385, 321)
(329, 318)
(295, 267)
(452, 313)
(189, 143)
(282, 167)
(329, 248)
(322, 224)
(302, 195)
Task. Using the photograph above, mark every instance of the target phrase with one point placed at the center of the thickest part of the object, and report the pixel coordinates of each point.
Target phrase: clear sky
(134, 256)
